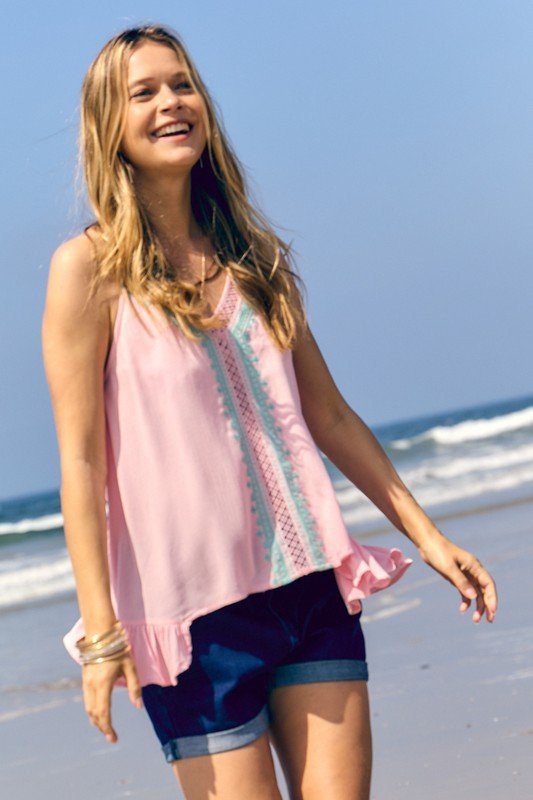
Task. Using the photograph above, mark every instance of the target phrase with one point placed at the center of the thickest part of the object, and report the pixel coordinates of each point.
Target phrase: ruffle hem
(162, 650)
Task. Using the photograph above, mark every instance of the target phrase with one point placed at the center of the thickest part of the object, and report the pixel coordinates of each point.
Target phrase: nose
(170, 99)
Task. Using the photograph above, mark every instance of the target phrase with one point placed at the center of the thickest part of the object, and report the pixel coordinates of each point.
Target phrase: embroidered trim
(259, 507)
(229, 303)
(284, 521)
(241, 335)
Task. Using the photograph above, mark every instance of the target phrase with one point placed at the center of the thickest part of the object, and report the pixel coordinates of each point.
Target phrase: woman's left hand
(464, 571)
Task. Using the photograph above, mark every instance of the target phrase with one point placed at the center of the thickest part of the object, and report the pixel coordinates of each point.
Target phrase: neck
(167, 202)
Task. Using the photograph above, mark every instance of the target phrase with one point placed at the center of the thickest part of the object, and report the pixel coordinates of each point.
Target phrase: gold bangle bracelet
(109, 647)
(84, 641)
(121, 634)
(100, 659)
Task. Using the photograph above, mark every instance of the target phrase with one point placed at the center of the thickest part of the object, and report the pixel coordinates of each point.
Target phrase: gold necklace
(203, 279)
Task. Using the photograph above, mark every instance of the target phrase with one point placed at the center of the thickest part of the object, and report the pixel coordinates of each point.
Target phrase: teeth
(180, 127)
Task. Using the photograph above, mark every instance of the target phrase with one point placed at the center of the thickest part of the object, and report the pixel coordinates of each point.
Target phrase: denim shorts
(297, 633)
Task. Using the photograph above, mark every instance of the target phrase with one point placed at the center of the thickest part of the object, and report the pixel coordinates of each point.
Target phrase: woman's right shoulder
(71, 314)
(72, 267)
(74, 261)
(75, 336)
(73, 257)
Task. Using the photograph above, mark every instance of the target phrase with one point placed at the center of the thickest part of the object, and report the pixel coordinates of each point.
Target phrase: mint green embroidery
(241, 335)
(280, 573)
(272, 552)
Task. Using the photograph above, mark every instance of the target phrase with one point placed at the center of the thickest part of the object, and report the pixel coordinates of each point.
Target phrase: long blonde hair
(128, 251)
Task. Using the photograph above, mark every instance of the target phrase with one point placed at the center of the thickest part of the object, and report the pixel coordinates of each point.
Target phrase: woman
(222, 587)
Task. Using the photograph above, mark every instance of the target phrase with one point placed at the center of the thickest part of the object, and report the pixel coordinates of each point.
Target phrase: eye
(185, 84)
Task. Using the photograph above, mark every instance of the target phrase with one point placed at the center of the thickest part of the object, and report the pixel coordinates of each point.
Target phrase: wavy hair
(127, 249)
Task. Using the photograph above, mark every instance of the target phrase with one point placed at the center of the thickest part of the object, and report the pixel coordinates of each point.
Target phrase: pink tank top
(215, 487)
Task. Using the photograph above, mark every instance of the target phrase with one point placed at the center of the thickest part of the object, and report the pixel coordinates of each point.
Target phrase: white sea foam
(465, 465)
(47, 522)
(470, 430)
(28, 578)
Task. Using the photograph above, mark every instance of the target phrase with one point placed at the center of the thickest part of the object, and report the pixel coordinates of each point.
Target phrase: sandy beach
(451, 700)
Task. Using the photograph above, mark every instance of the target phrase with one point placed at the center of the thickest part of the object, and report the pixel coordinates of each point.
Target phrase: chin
(179, 165)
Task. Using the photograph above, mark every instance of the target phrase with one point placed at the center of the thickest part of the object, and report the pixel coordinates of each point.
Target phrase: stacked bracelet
(111, 644)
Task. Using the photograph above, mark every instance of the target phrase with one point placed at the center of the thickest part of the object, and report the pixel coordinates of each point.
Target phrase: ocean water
(453, 463)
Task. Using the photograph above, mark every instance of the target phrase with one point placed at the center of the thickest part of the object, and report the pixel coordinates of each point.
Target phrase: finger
(480, 605)
(478, 598)
(132, 682)
(487, 597)
(487, 585)
(103, 702)
(465, 586)
(464, 606)
(89, 697)
(466, 602)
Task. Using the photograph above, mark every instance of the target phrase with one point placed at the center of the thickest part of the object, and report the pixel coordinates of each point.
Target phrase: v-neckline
(220, 304)
(222, 300)
(222, 297)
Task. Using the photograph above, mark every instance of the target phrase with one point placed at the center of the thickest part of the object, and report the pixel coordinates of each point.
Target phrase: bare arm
(343, 436)
(74, 345)
(350, 444)
(356, 452)
(75, 340)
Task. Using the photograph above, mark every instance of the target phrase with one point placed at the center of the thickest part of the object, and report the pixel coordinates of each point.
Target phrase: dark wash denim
(297, 633)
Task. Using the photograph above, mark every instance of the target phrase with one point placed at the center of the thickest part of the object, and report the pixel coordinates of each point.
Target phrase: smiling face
(159, 95)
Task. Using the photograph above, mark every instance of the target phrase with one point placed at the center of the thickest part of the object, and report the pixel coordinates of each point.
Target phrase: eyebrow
(149, 78)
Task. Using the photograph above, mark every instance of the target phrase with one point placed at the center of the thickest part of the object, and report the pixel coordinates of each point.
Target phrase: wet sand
(451, 700)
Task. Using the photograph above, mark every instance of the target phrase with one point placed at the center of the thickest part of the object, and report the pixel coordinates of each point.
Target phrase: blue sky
(391, 142)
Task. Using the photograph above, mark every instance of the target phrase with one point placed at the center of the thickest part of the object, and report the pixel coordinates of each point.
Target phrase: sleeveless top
(215, 487)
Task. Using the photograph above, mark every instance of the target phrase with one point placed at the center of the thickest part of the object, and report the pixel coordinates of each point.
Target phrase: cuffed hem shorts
(301, 632)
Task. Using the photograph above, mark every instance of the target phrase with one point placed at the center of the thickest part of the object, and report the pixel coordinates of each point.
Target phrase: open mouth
(174, 131)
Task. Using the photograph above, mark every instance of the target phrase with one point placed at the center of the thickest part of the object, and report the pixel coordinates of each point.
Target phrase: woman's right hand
(98, 681)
